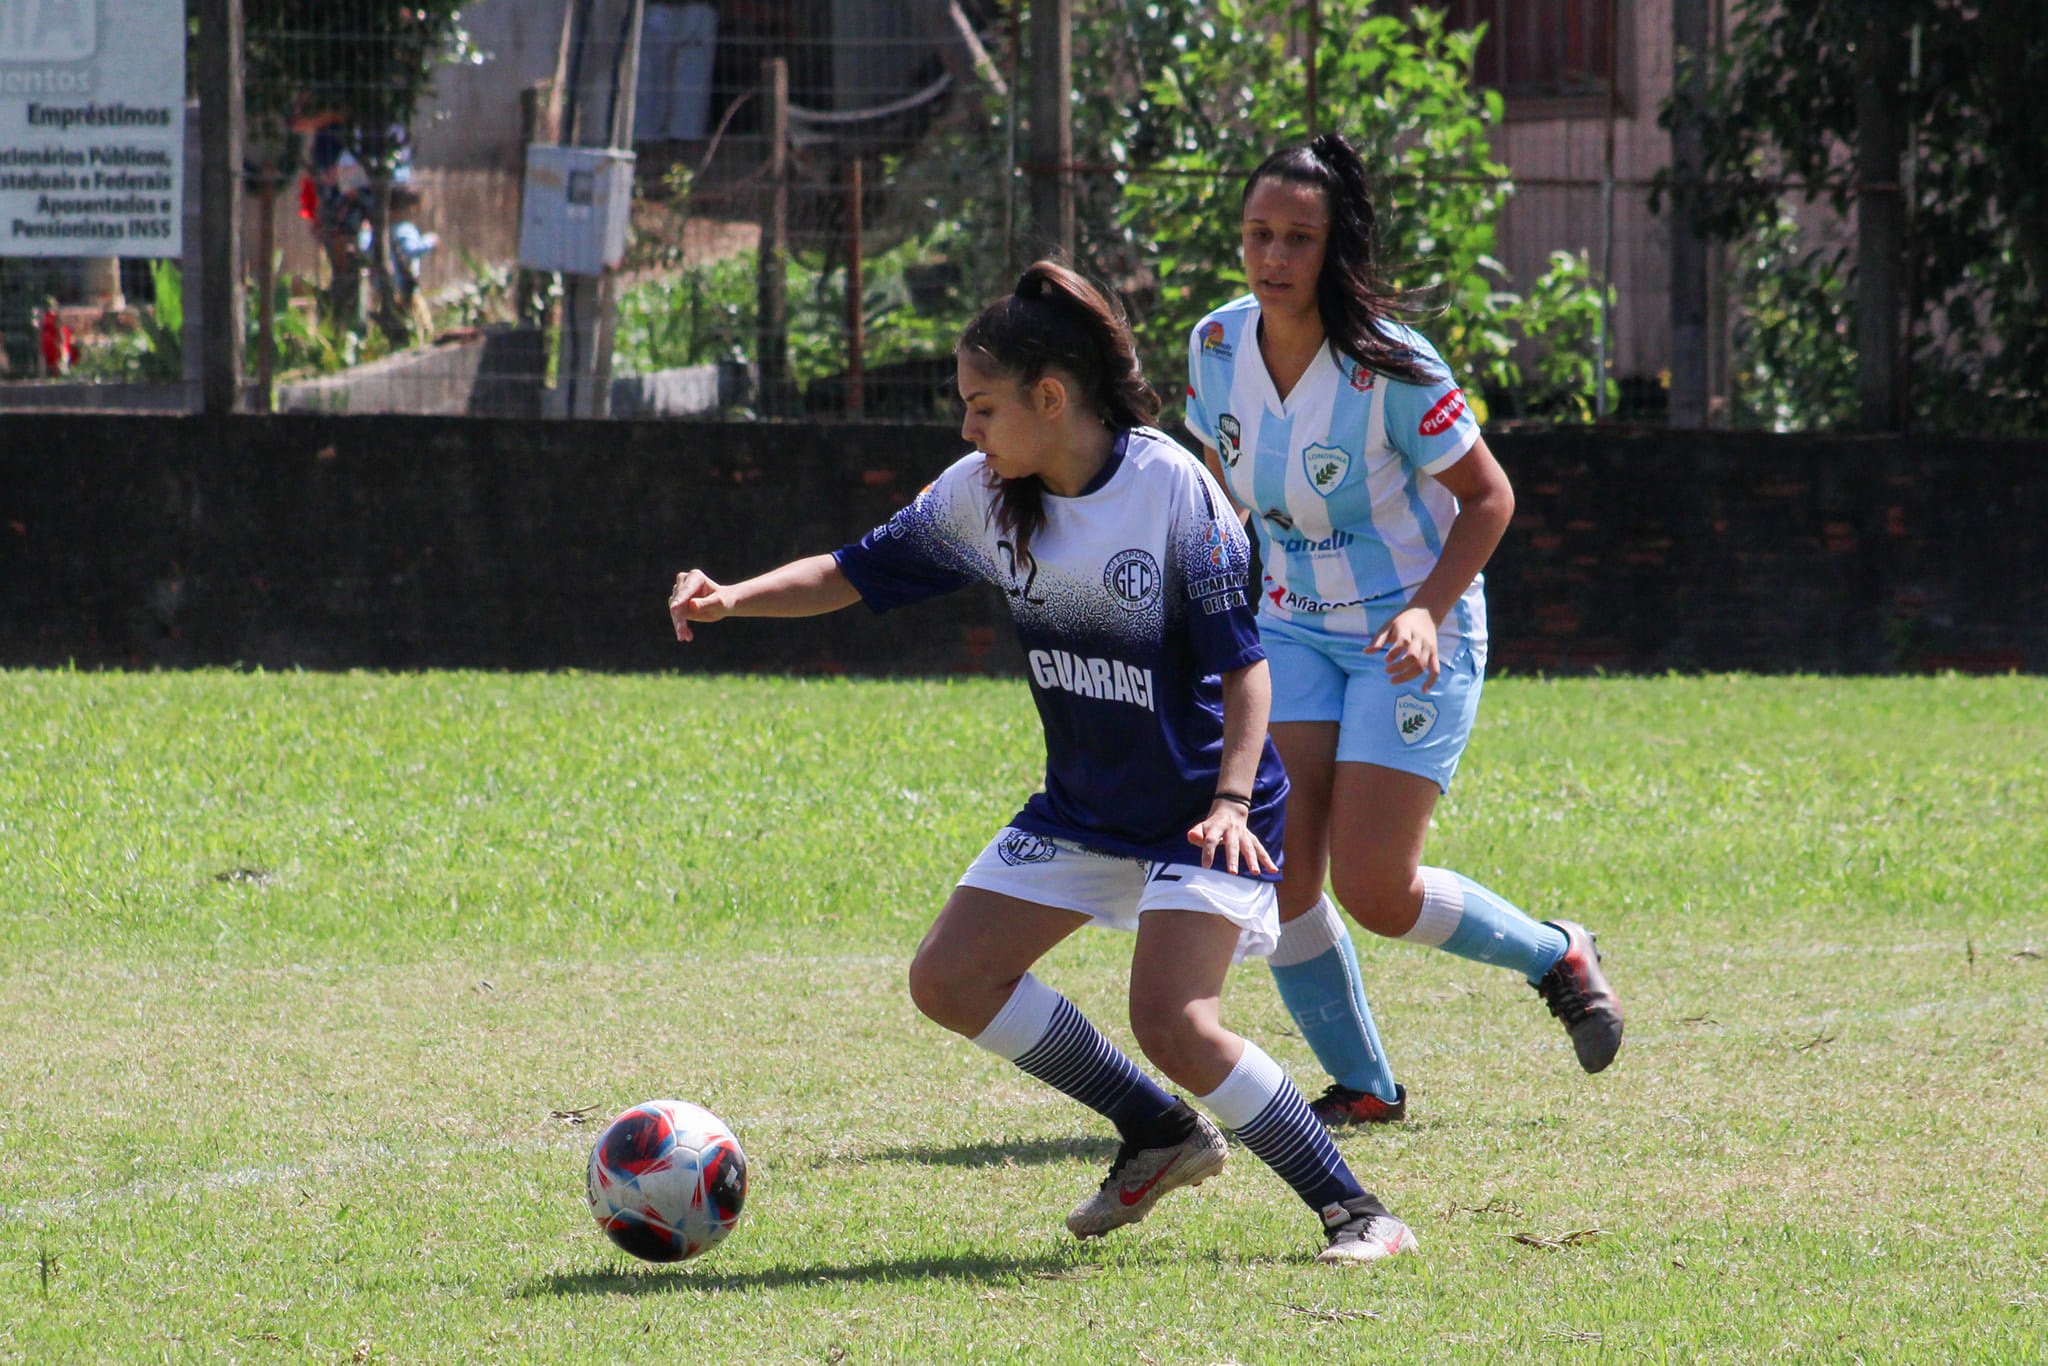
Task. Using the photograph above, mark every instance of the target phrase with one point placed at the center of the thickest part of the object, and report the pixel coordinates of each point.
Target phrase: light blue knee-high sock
(1316, 968)
(1462, 917)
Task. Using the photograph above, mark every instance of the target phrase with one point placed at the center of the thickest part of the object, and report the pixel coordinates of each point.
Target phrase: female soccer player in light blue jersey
(1343, 438)
(1125, 570)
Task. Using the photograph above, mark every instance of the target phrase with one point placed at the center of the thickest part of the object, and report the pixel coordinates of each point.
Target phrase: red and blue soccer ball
(667, 1180)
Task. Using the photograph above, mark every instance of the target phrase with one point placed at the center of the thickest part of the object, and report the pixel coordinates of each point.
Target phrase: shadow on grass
(1010, 1152)
(675, 1280)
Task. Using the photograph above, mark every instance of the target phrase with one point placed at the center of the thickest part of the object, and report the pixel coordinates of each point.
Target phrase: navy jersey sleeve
(919, 553)
(1214, 562)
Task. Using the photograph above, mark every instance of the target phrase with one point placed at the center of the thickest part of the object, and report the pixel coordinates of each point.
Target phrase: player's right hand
(695, 598)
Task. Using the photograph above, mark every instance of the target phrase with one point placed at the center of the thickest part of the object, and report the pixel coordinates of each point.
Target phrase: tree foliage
(1176, 101)
(1780, 106)
(1401, 91)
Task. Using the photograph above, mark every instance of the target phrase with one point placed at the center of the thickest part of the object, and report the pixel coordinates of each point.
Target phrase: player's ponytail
(1056, 320)
(1351, 299)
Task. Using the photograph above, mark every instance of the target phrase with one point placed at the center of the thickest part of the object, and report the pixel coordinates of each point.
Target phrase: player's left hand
(1410, 642)
(1225, 828)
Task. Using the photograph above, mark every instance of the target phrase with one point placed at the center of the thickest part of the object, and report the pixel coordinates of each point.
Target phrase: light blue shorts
(1322, 677)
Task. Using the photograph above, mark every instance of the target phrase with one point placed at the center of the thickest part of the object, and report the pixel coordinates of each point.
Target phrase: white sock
(1247, 1091)
(1022, 1021)
(1443, 907)
(1309, 935)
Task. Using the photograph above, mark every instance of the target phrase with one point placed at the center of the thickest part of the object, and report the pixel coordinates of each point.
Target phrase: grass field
(317, 986)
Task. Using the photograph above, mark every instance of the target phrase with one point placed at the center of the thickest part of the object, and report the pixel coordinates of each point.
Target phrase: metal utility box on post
(575, 210)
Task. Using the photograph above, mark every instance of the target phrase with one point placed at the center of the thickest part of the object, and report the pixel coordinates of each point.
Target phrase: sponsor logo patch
(1287, 599)
(1326, 467)
(1213, 343)
(1106, 680)
(1229, 440)
(1413, 718)
(1019, 847)
(1438, 420)
(1361, 379)
(1132, 578)
(1303, 545)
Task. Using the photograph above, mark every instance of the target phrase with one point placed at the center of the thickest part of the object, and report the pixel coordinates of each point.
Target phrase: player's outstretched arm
(802, 588)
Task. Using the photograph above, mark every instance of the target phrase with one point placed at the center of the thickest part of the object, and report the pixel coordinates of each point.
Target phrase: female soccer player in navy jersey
(1125, 570)
(1342, 436)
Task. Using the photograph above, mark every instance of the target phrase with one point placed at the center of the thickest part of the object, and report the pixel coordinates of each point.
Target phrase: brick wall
(406, 542)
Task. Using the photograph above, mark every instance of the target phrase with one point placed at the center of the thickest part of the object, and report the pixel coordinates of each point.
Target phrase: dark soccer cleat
(1577, 993)
(1340, 1105)
(1362, 1231)
(1139, 1176)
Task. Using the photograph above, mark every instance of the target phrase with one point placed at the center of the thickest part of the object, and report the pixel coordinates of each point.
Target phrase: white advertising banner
(92, 127)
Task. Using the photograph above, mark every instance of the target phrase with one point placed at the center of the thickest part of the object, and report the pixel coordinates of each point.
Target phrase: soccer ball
(666, 1180)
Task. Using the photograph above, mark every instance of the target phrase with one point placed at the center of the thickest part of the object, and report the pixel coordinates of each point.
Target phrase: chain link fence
(819, 194)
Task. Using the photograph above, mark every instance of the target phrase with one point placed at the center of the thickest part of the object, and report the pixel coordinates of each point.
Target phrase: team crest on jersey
(1361, 379)
(1229, 440)
(1414, 718)
(1018, 847)
(1326, 467)
(1132, 578)
(1212, 341)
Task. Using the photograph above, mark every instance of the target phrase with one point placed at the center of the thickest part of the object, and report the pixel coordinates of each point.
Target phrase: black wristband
(1245, 802)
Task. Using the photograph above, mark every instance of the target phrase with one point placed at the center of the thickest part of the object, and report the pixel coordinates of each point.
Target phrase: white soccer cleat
(1362, 1231)
(1139, 1176)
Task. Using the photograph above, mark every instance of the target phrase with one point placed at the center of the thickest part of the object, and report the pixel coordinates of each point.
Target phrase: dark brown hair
(1056, 320)
(1351, 299)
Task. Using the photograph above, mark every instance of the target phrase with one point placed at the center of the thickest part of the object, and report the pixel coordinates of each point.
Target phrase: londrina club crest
(1326, 467)
(1413, 717)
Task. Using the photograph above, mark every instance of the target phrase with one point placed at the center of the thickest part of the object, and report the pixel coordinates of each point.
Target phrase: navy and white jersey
(1131, 603)
(1338, 476)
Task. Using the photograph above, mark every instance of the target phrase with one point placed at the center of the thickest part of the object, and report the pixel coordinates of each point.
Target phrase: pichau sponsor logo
(1438, 420)
(1111, 680)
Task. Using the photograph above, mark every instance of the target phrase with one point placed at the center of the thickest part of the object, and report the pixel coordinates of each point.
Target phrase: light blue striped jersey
(1338, 476)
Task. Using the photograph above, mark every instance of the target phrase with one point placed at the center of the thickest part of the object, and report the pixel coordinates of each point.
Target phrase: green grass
(304, 974)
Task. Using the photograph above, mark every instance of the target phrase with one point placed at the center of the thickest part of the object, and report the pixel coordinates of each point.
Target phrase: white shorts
(1114, 891)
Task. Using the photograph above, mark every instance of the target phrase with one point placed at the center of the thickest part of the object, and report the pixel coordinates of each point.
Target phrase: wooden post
(540, 114)
(856, 336)
(266, 281)
(1052, 126)
(1315, 33)
(771, 273)
(1690, 386)
(220, 189)
(1880, 224)
(602, 69)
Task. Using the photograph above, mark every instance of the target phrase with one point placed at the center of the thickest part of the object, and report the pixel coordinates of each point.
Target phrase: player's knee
(1171, 1036)
(1385, 904)
(936, 987)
